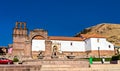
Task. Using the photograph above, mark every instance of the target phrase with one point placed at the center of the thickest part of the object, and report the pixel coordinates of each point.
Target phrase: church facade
(38, 42)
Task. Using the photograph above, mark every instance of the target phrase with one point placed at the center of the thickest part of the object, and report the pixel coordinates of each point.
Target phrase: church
(38, 42)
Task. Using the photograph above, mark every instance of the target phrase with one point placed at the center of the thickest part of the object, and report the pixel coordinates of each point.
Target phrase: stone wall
(90, 53)
(80, 63)
(20, 68)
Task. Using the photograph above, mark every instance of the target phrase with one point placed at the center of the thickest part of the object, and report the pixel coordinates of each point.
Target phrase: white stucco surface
(38, 45)
(72, 46)
(87, 45)
(75, 46)
(102, 44)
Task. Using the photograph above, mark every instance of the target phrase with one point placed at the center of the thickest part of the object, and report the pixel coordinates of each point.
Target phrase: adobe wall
(20, 67)
(91, 53)
(101, 53)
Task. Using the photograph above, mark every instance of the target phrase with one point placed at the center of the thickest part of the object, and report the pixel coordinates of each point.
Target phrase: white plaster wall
(88, 45)
(77, 46)
(38, 45)
(102, 44)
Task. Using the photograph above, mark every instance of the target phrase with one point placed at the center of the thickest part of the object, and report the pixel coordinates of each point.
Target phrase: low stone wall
(105, 67)
(59, 67)
(20, 67)
(93, 53)
(80, 63)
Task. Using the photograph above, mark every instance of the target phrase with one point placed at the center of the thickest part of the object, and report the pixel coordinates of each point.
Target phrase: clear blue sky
(58, 17)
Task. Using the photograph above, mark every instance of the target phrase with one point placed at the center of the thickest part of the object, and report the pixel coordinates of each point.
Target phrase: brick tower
(19, 37)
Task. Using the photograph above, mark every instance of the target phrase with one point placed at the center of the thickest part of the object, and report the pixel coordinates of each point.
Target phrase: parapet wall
(20, 67)
(78, 63)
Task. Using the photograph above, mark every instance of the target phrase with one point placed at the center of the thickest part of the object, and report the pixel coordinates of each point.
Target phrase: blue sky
(58, 17)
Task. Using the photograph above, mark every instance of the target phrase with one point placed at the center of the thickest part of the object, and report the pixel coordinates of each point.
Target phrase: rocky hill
(109, 30)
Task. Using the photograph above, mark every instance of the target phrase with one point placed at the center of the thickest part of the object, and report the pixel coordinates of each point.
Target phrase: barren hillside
(110, 31)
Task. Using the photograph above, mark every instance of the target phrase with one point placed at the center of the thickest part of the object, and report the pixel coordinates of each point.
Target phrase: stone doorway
(54, 51)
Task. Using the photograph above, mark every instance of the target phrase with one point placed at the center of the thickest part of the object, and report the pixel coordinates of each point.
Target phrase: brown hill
(110, 31)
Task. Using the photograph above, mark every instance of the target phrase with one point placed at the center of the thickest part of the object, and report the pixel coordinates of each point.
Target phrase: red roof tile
(65, 38)
(85, 36)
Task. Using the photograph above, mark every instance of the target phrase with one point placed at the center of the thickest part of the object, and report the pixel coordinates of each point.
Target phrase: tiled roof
(65, 38)
(80, 38)
(85, 36)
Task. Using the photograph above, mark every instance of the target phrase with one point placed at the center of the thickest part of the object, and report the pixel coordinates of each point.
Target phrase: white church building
(38, 41)
(85, 45)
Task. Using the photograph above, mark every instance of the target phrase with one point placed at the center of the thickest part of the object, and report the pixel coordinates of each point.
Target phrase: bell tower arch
(20, 29)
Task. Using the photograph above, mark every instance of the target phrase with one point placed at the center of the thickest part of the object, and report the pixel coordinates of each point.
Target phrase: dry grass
(110, 31)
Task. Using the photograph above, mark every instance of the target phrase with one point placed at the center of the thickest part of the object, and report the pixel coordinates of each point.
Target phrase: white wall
(77, 46)
(102, 44)
(88, 45)
(38, 45)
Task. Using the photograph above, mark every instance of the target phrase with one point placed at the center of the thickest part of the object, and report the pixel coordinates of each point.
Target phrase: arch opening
(38, 45)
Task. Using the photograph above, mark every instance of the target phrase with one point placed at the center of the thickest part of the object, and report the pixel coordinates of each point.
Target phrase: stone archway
(38, 45)
(38, 35)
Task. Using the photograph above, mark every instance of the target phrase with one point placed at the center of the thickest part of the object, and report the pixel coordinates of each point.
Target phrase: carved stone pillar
(48, 52)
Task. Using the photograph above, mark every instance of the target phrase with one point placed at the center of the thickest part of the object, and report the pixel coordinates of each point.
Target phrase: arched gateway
(39, 39)
(38, 45)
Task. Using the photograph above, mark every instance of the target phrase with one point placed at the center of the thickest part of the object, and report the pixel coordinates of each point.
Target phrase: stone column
(24, 25)
(48, 52)
(16, 25)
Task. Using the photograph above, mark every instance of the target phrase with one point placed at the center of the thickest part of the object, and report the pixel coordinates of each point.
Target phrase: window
(85, 42)
(109, 46)
(98, 40)
(71, 43)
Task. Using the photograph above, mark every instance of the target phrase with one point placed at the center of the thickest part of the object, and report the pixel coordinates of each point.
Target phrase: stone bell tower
(20, 29)
(19, 37)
